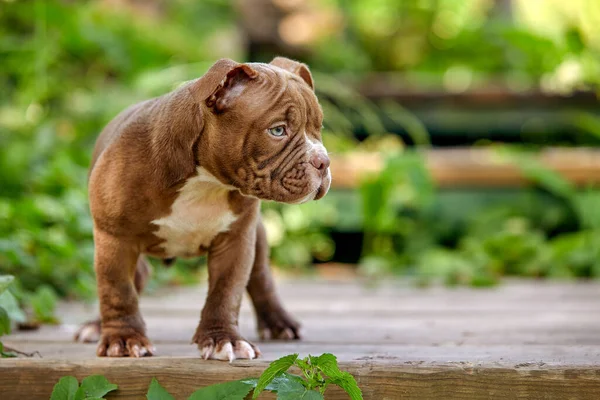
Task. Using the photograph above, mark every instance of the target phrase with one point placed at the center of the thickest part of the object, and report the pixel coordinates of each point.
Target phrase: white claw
(114, 350)
(244, 350)
(207, 351)
(224, 353)
(135, 351)
(227, 352)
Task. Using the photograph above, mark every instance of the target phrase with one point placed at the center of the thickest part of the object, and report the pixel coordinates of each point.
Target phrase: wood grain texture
(34, 379)
(473, 167)
(520, 340)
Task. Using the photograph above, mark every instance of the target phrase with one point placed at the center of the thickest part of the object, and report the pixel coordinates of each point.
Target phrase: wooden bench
(474, 167)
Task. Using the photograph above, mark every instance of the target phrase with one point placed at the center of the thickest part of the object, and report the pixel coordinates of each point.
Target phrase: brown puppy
(182, 175)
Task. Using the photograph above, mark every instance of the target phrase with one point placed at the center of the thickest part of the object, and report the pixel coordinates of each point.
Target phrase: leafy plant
(157, 392)
(394, 203)
(9, 311)
(94, 387)
(69, 67)
(43, 303)
(236, 390)
(318, 373)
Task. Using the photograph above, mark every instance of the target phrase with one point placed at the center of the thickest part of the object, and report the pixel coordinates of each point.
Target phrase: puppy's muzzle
(320, 161)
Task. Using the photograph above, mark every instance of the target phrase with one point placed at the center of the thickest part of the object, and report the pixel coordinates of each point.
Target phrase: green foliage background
(66, 68)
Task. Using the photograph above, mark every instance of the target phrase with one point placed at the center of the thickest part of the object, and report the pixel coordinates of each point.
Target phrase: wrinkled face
(266, 126)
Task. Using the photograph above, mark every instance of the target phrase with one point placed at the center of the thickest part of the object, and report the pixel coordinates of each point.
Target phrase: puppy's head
(262, 126)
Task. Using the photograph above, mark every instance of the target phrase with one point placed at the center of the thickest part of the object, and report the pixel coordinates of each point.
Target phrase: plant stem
(22, 353)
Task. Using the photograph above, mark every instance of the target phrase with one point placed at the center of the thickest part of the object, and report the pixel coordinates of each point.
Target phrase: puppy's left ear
(230, 87)
(295, 67)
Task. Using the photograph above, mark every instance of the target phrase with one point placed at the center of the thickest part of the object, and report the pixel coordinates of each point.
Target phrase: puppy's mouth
(320, 193)
(324, 186)
(317, 193)
(305, 199)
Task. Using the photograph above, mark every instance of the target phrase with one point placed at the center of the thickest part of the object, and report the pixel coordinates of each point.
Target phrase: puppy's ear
(295, 67)
(230, 87)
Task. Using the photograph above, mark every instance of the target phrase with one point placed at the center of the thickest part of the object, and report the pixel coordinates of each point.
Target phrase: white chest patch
(199, 213)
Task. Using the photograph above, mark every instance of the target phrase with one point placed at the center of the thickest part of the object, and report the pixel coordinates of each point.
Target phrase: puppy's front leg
(123, 332)
(230, 261)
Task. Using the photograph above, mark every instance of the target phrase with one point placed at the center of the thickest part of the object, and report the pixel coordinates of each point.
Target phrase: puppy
(182, 175)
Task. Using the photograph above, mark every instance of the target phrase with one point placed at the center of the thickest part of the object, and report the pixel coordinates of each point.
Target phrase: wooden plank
(411, 93)
(425, 355)
(513, 313)
(520, 340)
(34, 379)
(473, 167)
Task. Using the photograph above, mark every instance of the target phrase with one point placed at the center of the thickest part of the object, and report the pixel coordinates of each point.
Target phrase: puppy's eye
(277, 131)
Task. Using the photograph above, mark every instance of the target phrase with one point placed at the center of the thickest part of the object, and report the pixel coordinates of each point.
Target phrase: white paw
(141, 351)
(244, 350)
(115, 350)
(227, 352)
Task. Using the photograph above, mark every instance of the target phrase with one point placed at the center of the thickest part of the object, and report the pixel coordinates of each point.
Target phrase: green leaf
(250, 381)
(347, 382)
(94, 386)
(5, 281)
(283, 379)
(4, 322)
(274, 369)
(236, 390)
(303, 364)
(306, 395)
(10, 304)
(157, 392)
(43, 303)
(327, 363)
(65, 389)
(292, 389)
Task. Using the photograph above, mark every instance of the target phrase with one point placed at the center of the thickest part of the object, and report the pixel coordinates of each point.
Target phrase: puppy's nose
(320, 161)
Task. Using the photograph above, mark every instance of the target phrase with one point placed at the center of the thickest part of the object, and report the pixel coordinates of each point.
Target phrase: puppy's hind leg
(89, 332)
(273, 321)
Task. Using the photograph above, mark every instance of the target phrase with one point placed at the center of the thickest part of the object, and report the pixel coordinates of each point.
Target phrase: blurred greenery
(528, 238)
(462, 43)
(66, 68)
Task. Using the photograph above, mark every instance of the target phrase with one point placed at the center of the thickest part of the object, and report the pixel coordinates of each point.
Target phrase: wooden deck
(521, 340)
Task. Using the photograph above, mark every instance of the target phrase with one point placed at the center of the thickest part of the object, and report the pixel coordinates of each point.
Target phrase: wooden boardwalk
(521, 340)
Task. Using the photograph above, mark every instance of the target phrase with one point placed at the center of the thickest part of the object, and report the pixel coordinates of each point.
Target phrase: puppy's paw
(224, 347)
(228, 351)
(277, 324)
(124, 343)
(89, 332)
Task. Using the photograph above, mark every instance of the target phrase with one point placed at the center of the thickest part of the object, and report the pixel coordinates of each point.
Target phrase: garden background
(398, 82)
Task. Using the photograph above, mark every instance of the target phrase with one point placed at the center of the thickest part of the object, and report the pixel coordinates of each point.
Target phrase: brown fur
(214, 133)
